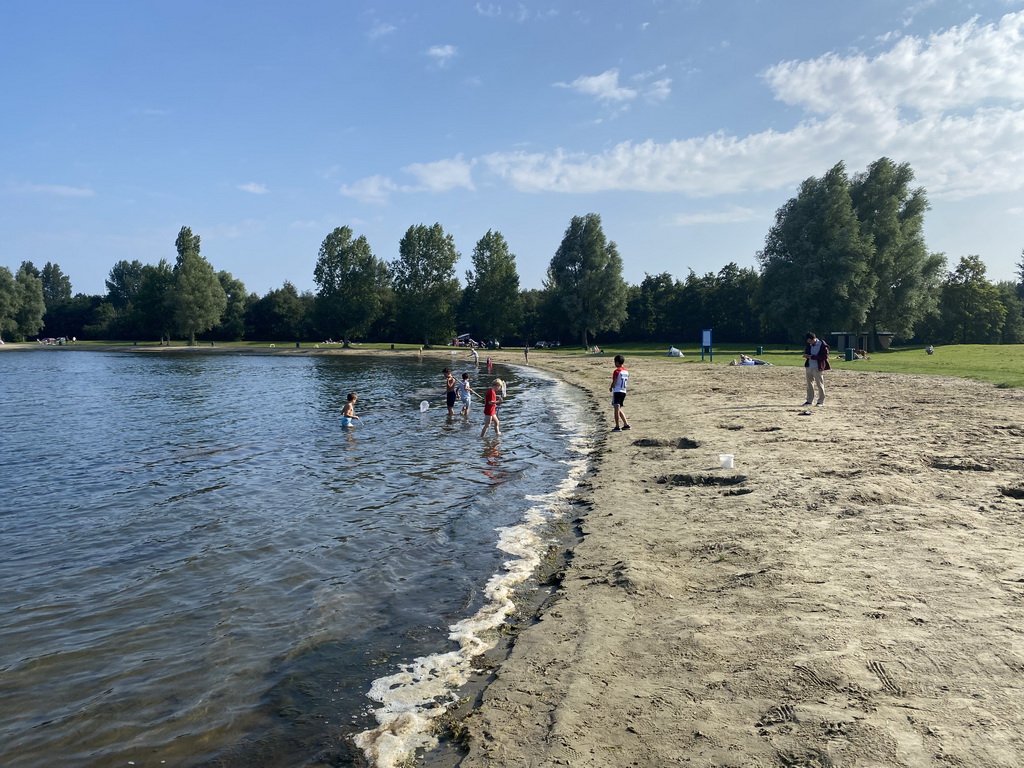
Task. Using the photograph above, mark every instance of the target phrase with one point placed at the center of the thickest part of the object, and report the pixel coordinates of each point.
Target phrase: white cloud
(604, 87)
(952, 105)
(659, 90)
(441, 53)
(253, 188)
(438, 176)
(441, 176)
(372, 189)
(60, 190)
(964, 66)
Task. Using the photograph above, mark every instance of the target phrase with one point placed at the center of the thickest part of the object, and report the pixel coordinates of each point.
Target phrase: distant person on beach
(815, 364)
(526, 353)
(464, 393)
(620, 378)
(348, 413)
(450, 390)
(491, 400)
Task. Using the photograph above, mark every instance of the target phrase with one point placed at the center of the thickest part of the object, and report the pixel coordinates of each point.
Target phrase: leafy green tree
(56, 285)
(350, 285)
(815, 266)
(493, 306)
(30, 307)
(731, 304)
(102, 322)
(651, 309)
(70, 318)
(585, 279)
(426, 288)
(971, 312)
(281, 315)
(232, 322)
(123, 283)
(540, 317)
(30, 268)
(1012, 331)
(1020, 276)
(694, 305)
(8, 304)
(197, 298)
(905, 276)
(153, 309)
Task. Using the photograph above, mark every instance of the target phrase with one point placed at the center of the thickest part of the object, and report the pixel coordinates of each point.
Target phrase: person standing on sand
(816, 363)
(449, 390)
(491, 400)
(526, 353)
(618, 389)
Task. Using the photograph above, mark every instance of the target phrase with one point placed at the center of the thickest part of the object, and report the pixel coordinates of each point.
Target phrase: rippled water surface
(200, 566)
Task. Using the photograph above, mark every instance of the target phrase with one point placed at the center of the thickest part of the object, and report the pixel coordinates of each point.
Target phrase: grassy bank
(1000, 365)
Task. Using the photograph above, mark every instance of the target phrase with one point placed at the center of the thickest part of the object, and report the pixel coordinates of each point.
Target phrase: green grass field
(1002, 366)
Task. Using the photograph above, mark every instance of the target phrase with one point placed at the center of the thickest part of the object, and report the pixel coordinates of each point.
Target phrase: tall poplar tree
(426, 288)
(815, 266)
(906, 277)
(8, 304)
(56, 285)
(30, 306)
(585, 281)
(350, 285)
(197, 299)
(493, 305)
(153, 305)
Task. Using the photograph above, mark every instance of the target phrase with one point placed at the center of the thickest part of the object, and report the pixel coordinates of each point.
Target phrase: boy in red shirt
(618, 389)
(491, 400)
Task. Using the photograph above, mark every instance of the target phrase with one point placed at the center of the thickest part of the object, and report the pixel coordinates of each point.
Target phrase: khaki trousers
(815, 380)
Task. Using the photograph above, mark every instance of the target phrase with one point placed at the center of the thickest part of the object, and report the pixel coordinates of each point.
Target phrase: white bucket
(725, 459)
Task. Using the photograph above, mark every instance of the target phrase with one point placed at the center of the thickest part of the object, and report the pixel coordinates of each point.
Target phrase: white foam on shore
(423, 690)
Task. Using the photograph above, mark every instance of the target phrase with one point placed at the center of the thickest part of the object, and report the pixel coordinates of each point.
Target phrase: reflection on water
(200, 565)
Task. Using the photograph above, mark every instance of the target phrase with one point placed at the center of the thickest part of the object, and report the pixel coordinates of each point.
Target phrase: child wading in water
(491, 400)
(464, 393)
(348, 413)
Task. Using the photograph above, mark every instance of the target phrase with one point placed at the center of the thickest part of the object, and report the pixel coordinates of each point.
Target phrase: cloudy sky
(684, 123)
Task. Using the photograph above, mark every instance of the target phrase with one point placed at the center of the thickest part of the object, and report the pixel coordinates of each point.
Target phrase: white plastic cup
(725, 459)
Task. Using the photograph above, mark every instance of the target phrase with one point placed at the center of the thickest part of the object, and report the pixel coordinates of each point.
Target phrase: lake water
(199, 566)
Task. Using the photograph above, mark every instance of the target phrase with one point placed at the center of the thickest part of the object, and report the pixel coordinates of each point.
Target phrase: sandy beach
(849, 594)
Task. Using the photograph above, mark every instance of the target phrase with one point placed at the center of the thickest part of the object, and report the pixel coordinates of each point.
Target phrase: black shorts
(618, 398)
(451, 398)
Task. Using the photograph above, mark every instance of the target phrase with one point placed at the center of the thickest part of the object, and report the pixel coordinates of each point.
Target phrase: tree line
(846, 253)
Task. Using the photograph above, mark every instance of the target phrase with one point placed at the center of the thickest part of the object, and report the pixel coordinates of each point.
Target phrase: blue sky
(684, 124)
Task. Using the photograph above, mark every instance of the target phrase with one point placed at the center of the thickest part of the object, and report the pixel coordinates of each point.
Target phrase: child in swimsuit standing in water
(348, 413)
